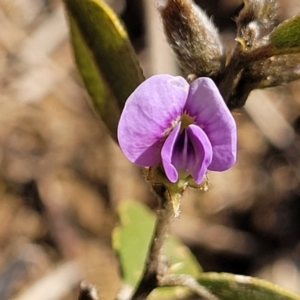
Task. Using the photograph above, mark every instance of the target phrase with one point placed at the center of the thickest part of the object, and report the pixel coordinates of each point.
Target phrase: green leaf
(132, 238)
(170, 293)
(181, 258)
(287, 34)
(104, 57)
(131, 241)
(238, 287)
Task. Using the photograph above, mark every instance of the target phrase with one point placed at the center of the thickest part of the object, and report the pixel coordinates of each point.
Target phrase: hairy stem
(155, 265)
(229, 79)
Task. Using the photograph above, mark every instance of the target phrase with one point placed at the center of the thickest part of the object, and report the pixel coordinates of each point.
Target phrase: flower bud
(192, 36)
(254, 21)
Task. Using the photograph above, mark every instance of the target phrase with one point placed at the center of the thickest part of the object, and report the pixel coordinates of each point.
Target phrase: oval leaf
(132, 239)
(238, 287)
(287, 34)
(104, 57)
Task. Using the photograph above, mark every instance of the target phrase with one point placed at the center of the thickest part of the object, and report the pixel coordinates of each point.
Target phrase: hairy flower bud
(192, 36)
(255, 16)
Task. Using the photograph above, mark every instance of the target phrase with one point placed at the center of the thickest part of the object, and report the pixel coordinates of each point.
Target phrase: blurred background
(62, 177)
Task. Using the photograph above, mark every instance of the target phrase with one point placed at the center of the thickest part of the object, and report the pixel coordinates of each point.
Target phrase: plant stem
(155, 264)
(187, 281)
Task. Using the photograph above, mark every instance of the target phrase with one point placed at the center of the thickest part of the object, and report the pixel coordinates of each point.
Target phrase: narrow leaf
(287, 34)
(238, 287)
(104, 57)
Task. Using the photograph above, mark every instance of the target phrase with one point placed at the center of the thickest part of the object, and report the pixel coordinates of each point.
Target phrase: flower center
(185, 120)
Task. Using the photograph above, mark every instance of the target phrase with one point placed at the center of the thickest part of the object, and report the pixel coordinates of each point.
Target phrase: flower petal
(188, 153)
(149, 111)
(203, 152)
(206, 105)
(167, 153)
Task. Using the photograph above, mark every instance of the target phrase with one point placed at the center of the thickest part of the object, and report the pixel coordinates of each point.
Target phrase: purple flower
(187, 128)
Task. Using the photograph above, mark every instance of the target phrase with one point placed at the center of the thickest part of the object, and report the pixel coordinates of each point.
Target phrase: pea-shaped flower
(187, 128)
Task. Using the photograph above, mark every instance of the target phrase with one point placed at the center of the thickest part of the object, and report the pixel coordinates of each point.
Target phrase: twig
(187, 281)
(155, 263)
(240, 60)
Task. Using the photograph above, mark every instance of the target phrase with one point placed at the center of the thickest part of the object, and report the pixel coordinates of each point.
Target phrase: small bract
(188, 129)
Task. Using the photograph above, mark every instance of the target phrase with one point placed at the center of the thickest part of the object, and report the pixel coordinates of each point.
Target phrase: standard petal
(206, 105)
(149, 112)
(167, 154)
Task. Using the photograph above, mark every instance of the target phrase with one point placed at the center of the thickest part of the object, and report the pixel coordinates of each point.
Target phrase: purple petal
(202, 150)
(210, 112)
(167, 153)
(188, 153)
(148, 113)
